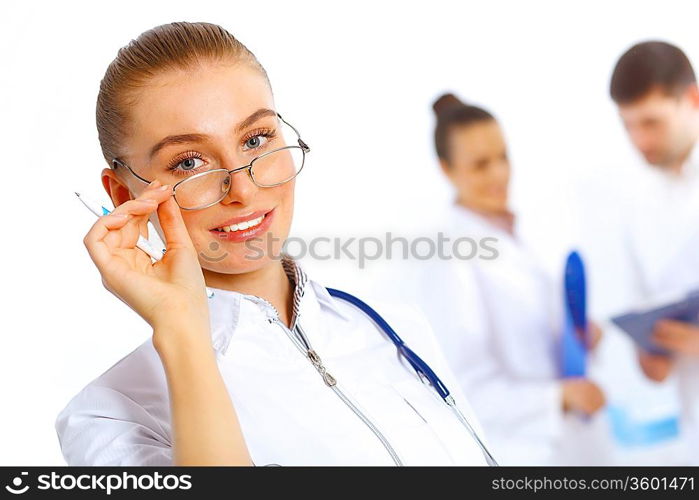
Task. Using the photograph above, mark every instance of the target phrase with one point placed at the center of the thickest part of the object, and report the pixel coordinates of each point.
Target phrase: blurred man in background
(655, 89)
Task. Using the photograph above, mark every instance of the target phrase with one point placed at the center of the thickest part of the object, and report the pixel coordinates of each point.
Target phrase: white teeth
(242, 225)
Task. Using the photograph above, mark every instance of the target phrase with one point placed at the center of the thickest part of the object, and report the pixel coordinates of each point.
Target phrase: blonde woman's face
(214, 116)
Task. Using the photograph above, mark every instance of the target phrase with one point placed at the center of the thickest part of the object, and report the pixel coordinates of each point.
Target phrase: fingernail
(154, 183)
(149, 200)
(164, 188)
(121, 216)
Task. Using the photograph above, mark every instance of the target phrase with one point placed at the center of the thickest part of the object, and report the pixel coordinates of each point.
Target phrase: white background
(358, 80)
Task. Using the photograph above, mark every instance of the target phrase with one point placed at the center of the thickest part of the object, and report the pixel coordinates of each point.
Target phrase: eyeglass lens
(268, 170)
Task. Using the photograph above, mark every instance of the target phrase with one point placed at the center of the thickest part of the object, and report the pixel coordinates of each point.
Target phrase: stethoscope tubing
(422, 369)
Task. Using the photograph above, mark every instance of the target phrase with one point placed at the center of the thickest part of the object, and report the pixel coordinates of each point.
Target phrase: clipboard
(639, 324)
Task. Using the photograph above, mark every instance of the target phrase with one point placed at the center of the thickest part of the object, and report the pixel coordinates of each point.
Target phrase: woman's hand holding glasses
(169, 294)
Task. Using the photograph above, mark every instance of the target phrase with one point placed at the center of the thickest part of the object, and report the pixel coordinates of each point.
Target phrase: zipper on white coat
(328, 379)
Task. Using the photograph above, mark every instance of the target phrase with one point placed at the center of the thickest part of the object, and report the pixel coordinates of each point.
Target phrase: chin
(228, 257)
(657, 160)
(498, 206)
(234, 264)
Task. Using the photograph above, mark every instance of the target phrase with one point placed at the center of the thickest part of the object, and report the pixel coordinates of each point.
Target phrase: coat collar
(226, 306)
(465, 217)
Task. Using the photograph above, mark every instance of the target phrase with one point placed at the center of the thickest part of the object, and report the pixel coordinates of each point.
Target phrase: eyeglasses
(269, 169)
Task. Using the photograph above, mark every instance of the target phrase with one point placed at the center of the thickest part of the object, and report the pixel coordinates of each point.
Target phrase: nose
(643, 140)
(501, 172)
(242, 189)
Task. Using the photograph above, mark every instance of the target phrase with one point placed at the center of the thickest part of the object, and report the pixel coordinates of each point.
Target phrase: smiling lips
(243, 228)
(242, 225)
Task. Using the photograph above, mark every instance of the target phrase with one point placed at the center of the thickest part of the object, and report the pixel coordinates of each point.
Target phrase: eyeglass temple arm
(303, 145)
(119, 163)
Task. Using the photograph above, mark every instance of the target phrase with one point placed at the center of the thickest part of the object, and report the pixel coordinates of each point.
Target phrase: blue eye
(254, 141)
(190, 163)
(187, 165)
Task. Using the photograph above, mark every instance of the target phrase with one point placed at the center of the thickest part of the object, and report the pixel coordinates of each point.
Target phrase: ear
(115, 187)
(692, 94)
(446, 168)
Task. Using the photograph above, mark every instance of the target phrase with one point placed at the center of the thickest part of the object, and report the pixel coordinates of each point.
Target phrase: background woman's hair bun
(453, 112)
(446, 103)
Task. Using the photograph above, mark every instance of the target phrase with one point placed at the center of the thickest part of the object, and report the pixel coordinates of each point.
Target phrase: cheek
(282, 199)
(461, 174)
(285, 201)
(503, 174)
(667, 127)
(196, 227)
(475, 180)
(491, 183)
(677, 131)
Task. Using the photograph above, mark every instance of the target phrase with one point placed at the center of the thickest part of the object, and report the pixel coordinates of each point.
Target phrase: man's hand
(656, 366)
(677, 337)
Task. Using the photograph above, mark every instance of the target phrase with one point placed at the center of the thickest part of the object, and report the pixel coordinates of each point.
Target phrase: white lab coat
(662, 243)
(287, 414)
(498, 322)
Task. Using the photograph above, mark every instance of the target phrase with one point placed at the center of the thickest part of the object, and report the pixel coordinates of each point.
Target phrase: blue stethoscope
(422, 369)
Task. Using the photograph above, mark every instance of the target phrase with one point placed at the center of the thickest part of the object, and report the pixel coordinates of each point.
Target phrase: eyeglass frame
(302, 145)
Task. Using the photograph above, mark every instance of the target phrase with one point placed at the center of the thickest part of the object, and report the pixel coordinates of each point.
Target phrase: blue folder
(574, 337)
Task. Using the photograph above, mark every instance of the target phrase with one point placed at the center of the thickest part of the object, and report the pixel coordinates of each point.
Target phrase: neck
(483, 211)
(269, 282)
(502, 219)
(677, 166)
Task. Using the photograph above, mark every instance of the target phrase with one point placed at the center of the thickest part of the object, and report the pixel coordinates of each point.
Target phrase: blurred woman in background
(497, 316)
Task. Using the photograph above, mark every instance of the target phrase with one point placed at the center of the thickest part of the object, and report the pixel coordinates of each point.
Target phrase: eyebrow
(189, 138)
(176, 139)
(260, 113)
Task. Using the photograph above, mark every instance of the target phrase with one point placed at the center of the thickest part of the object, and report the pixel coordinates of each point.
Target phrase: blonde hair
(179, 45)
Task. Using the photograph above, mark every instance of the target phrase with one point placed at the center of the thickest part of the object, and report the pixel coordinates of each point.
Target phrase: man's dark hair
(650, 65)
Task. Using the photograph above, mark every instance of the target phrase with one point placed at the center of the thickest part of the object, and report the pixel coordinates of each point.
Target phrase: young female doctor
(264, 366)
(496, 315)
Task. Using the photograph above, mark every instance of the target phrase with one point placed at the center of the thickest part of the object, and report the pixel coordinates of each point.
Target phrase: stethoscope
(422, 369)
